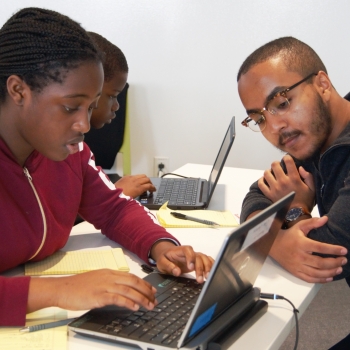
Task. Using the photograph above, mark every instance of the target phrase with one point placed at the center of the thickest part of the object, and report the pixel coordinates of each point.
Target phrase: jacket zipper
(28, 176)
(319, 168)
(319, 164)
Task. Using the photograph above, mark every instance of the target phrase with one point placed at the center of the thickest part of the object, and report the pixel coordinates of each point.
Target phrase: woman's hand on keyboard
(91, 290)
(176, 260)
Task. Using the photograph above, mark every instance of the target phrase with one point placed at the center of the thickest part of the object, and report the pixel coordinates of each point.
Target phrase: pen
(40, 327)
(191, 218)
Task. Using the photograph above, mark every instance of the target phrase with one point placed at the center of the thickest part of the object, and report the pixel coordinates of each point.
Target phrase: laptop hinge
(203, 198)
(214, 335)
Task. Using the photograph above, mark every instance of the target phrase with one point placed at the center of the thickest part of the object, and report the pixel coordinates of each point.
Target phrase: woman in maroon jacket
(51, 78)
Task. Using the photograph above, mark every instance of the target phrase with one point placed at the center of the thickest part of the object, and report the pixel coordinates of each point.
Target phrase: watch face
(294, 213)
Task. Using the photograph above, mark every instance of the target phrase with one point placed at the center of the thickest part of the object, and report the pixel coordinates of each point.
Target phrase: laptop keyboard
(177, 192)
(166, 322)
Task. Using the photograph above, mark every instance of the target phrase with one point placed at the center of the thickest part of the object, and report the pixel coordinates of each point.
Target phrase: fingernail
(191, 266)
(151, 305)
(339, 270)
(344, 261)
(329, 279)
(343, 251)
(200, 279)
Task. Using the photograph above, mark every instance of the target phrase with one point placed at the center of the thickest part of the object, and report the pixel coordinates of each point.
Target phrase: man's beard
(321, 126)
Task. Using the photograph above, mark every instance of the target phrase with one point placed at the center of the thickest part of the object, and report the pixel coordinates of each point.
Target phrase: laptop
(190, 315)
(189, 193)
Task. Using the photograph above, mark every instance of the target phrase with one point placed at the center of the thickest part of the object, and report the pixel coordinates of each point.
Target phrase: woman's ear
(16, 88)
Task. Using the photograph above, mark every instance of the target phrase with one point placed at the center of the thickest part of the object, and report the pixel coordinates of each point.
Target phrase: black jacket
(331, 172)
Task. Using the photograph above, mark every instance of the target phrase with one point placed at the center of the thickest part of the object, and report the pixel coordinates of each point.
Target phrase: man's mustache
(284, 136)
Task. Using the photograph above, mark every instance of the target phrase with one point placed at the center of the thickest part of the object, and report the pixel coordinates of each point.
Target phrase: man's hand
(276, 184)
(91, 290)
(135, 185)
(293, 250)
(176, 260)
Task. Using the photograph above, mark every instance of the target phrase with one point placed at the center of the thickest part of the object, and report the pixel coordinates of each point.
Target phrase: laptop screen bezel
(231, 134)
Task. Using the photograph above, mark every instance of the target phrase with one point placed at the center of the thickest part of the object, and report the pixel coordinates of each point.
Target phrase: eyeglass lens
(277, 106)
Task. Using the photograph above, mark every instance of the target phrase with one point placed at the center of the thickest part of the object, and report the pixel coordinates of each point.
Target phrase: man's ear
(17, 89)
(324, 85)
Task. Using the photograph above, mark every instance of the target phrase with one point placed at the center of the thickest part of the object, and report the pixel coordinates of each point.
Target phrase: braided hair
(113, 58)
(40, 46)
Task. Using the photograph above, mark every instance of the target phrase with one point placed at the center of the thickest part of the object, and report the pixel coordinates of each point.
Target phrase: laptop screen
(221, 158)
(237, 266)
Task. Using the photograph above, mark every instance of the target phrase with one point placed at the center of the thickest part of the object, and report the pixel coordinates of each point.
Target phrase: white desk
(270, 330)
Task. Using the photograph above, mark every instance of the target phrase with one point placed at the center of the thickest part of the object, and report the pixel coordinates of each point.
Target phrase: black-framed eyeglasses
(277, 105)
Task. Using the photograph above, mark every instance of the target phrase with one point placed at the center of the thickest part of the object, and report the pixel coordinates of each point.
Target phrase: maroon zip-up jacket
(38, 206)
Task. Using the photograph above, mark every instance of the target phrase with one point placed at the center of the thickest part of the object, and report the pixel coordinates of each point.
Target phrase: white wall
(183, 57)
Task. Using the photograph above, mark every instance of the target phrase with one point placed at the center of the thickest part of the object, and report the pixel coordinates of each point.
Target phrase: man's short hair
(297, 56)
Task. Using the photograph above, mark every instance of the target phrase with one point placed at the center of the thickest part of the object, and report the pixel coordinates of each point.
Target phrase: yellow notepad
(53, 338)
(223, 218)
(68, 263)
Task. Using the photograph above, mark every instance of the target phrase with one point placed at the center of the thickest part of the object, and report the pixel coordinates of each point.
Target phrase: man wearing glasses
(290, 99)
